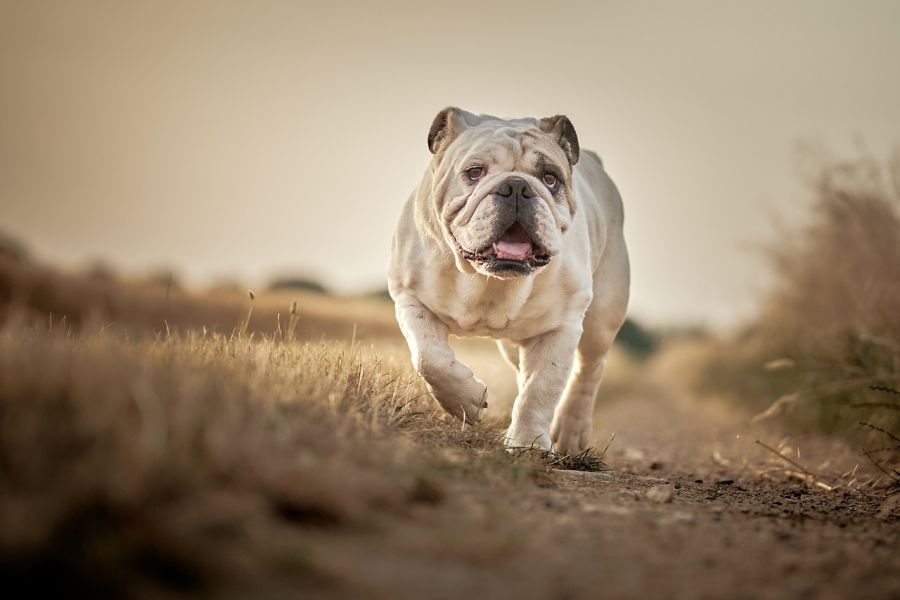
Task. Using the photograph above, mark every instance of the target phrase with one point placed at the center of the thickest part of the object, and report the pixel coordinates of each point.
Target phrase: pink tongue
(515, 244)
(513, 250)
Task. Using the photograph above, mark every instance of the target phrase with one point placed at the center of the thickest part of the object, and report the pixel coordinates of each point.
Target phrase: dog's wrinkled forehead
(457, 136)
(508, 147)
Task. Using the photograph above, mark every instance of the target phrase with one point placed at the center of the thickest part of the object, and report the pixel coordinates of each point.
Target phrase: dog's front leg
(450, 382)
(546, 363)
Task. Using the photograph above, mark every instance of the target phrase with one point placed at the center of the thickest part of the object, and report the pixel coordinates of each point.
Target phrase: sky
(245, 140)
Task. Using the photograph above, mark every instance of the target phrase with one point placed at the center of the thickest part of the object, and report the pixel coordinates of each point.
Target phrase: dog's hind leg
(546, 361)
(573, 420)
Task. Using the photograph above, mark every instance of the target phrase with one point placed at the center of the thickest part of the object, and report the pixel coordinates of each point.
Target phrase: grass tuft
(587, 460)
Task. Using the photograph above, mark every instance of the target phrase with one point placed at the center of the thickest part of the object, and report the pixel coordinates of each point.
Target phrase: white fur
(555, 327)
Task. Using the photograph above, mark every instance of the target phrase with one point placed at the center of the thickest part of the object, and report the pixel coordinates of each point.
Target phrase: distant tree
(101, 270)
(381, 294)
(636, 339)
(298, 283)
(10, 247)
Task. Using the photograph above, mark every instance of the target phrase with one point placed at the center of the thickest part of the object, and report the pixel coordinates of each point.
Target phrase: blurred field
(162, 442)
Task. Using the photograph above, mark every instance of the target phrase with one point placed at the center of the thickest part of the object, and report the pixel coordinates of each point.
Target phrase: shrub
(829, 329)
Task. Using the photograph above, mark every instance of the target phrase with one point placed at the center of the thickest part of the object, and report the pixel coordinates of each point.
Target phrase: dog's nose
(514, 188)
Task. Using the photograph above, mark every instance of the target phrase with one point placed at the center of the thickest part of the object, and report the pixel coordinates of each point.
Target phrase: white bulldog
(509, 235)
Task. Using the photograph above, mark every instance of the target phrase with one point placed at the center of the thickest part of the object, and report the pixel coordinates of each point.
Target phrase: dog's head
(502, 189)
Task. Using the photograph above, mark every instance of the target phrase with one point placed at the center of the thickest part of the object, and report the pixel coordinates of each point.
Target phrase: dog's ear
(447, 125)
(561, 128)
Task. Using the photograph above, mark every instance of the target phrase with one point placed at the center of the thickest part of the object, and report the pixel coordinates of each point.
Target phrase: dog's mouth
(512, 251)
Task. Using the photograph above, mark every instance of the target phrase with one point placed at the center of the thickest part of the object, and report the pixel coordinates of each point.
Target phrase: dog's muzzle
(514, 250)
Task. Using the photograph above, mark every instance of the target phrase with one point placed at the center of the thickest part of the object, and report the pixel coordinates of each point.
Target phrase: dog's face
(503, 189)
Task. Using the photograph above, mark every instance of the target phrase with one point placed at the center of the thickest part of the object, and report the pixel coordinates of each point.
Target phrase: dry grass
(837, 296)
(587, 460)
(181, 462)
(830, 329)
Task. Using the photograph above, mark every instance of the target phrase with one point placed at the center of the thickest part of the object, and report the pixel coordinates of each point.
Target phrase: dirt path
(736, 526)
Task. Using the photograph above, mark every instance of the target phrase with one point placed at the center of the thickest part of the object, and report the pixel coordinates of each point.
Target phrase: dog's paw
(519, 435)
(466, 400)
(571, 434)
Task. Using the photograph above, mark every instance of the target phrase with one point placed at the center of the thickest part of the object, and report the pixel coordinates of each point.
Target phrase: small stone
(662, 494)
(633, 455)
(724, 481)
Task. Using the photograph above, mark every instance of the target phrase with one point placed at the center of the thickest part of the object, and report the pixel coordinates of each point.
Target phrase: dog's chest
(470, 308)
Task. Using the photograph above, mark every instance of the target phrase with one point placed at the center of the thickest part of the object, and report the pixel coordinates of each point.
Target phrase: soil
(725, 518)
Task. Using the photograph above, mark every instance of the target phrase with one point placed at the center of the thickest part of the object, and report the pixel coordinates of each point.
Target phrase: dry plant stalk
(246, 322)
(809, 474)
(292, 321)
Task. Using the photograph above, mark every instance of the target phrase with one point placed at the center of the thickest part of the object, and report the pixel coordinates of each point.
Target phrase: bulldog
(513, 233)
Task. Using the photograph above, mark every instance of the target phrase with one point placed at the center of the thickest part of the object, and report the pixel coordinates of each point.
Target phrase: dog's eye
(549, 180)
(474, 173)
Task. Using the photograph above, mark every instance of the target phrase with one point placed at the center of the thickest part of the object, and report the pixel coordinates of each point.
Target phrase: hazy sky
(247, 139)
